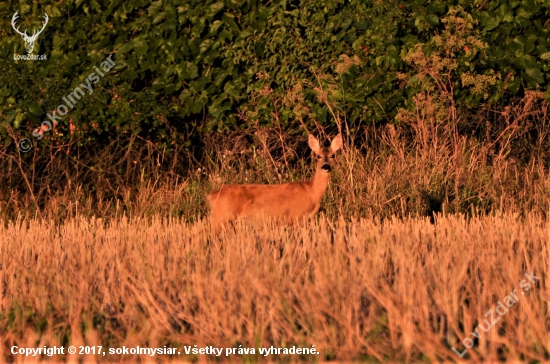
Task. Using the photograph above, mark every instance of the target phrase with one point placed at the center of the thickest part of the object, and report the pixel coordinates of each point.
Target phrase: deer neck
(318, 184)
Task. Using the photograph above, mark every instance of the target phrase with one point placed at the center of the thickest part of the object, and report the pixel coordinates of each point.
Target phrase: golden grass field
(401, 290)
(423, 244)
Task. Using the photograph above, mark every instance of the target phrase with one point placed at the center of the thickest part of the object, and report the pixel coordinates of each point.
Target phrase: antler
(13, 18)
(35, 33)
(44, 26)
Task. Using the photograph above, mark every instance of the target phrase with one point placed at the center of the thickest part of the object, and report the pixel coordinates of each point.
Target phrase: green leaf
(17, 120)
(205, 45)
(188, 71)
(535, 75)
(491, 23)
(216, 8)
(432, 19)
(140, 46)
(35, 109)
(159, 17)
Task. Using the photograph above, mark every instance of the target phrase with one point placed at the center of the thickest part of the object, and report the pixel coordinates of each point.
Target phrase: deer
(29, 40)
(287, 202)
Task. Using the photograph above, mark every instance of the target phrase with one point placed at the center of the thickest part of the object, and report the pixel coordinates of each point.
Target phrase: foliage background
(187, 71)
(188, 66)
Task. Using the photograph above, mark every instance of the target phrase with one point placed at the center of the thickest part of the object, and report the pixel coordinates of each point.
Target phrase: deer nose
(326, 167)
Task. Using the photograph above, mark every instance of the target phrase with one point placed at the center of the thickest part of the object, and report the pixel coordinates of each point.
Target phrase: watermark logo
(501, 309)
(30, 40)
(25, 145)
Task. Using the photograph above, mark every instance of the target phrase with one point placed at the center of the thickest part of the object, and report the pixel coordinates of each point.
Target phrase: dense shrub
(185, 69)
(203, 65)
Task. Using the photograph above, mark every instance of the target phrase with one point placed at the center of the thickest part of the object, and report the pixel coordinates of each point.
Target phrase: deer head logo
(29, 40)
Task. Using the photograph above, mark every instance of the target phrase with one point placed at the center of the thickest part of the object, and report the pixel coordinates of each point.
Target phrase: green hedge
(192, 66)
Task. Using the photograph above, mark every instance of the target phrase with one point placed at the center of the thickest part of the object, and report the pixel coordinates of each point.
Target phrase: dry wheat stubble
(397, 290)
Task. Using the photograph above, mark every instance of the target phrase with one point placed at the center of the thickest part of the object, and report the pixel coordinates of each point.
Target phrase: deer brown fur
(287, 201)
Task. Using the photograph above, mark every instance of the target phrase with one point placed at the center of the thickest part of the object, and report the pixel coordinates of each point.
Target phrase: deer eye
(332, 156)
(319, 157)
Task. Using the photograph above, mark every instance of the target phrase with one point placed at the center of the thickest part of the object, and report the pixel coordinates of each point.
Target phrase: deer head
(29, 40)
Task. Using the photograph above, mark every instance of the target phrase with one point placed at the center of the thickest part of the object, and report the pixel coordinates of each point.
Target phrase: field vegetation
(437, 211)
(413, 246)
(395, 290)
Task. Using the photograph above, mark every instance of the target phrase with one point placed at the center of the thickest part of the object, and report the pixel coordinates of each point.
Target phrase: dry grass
(498, 163)
(399, 290)
(422, 231)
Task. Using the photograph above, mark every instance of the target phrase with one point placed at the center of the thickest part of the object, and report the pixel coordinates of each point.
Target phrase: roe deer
(287, 201)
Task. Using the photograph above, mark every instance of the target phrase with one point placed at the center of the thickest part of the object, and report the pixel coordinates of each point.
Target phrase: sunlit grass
(401, 290)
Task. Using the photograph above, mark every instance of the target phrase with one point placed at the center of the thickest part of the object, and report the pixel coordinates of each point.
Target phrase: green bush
(184, 67)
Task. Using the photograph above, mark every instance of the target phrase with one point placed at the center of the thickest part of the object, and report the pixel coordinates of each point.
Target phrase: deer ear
(336, 143)
(313, 143)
